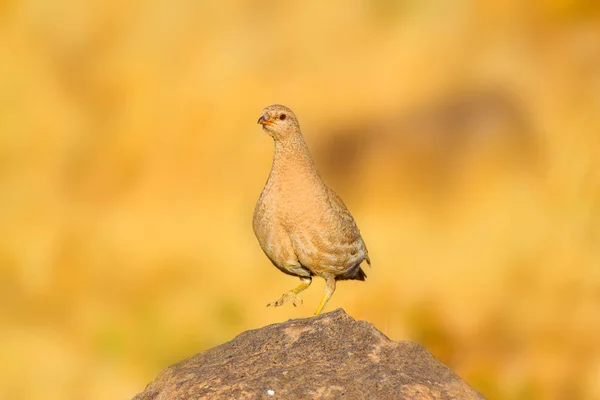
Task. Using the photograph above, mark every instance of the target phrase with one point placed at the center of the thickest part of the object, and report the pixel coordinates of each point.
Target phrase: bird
(301, 224)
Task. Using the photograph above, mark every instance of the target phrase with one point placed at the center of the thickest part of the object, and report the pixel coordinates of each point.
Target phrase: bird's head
(279, 122)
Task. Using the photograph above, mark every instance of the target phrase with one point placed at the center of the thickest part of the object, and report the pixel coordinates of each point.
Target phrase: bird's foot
(288, 296)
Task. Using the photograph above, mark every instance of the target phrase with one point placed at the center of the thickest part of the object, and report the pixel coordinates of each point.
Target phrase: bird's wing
(345, 218)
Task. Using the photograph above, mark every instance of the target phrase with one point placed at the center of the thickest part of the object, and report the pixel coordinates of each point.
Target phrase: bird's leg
(292, 294)
(329, 289)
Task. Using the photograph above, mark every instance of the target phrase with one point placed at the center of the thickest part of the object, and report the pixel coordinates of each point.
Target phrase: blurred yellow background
(463, 136)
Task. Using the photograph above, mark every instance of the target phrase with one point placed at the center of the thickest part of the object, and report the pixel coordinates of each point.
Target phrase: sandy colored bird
(301, 224)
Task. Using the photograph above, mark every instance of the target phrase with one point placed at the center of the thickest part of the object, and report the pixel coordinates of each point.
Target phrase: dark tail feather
(354, 273)
(360, 276)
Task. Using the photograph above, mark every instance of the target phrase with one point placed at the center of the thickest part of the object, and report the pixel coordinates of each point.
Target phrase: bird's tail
(360, 276)
(353, 273)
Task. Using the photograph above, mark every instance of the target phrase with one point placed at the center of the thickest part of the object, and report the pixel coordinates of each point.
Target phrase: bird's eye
(282, 117)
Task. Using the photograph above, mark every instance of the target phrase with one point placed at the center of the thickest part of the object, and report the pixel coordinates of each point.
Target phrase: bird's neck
(292, 157)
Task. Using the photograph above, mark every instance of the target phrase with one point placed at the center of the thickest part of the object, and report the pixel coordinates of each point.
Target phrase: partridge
(302, 225)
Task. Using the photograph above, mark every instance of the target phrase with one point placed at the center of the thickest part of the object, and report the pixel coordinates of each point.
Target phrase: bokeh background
(463, 136)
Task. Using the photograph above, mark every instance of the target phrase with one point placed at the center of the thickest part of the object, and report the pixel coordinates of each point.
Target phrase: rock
(329, 356)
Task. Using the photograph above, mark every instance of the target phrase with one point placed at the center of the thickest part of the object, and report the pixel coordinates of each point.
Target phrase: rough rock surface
(329, 356)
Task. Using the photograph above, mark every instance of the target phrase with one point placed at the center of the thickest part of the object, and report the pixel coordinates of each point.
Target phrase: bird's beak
(263, 121)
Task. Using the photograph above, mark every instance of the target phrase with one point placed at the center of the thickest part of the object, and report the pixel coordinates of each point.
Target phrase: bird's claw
(289, 296)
